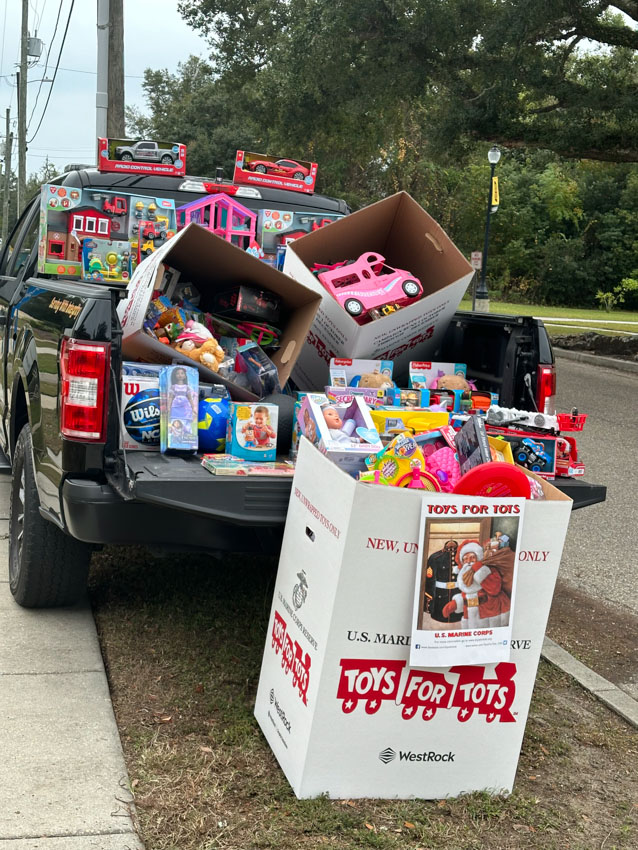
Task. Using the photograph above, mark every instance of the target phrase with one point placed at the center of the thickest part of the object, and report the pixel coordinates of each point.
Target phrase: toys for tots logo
(462, 688)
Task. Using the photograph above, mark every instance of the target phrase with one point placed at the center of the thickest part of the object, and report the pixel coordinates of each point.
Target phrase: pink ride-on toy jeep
(368, 283)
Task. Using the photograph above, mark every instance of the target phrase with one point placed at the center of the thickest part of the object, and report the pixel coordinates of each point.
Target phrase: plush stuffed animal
(375, 380)
(210, 354)
(450, 382)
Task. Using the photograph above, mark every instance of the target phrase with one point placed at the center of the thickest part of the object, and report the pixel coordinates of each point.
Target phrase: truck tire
(127, 157)
(167, 159)
(47, 568)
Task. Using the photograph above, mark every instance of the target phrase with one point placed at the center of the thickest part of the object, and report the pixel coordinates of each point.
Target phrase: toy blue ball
(213, 418)
(142, 417)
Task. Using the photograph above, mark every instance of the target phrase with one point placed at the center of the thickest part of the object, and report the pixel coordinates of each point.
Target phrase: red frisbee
(494, 479)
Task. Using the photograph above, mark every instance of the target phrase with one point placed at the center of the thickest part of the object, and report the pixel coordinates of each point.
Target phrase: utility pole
(8, 143)
(22, 108)
(115, 115)
(101, 94)
(109, 97)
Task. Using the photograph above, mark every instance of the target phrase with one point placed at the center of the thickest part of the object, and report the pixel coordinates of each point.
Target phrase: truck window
(28, 223)
(25, 242)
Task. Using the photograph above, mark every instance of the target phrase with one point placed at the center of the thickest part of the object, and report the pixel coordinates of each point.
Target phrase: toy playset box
(214, 266)
(344, 432)
(252, 431)
(142, 156)
(338, 702)
(408, 238)
(259, 169)
(279, 227)
(100, 236)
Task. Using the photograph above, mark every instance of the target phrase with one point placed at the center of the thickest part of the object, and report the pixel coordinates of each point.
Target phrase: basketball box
(140, 420)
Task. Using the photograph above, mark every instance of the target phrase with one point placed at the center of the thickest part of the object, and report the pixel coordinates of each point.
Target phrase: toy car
(283, 167)
(384, 310)
(531, 455)
(369, 283)
(145, 152)
(115, 206)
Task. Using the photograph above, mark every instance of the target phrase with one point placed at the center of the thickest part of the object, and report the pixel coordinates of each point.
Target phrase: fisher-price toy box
(343, 432)
(408, 238)
(258, 169)
(252, 431)
(142, 156)
(424, 374)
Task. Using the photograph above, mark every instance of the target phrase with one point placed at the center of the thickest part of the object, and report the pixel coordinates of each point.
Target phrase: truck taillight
(546, 388)
(84, 371)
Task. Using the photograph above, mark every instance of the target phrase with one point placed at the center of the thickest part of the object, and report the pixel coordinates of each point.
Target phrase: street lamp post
(481, 295)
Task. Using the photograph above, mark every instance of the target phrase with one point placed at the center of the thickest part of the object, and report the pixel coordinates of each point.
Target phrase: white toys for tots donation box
(338, 703)
(408, 238)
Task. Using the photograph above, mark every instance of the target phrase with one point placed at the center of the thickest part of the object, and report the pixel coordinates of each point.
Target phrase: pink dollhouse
(221, 215)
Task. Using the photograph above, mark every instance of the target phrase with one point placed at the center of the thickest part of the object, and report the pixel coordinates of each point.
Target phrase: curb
(608, 693)
(596, 360)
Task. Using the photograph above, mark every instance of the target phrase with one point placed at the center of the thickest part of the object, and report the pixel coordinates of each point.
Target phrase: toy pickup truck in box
(145, 152)
(74, 488)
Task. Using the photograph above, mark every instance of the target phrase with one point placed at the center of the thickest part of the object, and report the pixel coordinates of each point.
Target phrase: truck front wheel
(47, 568)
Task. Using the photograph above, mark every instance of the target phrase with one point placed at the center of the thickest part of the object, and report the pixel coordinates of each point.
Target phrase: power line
(55, 29)
(66, 29)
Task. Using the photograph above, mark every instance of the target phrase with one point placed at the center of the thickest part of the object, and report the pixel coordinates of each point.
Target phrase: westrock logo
(280, 711)
(387, 755)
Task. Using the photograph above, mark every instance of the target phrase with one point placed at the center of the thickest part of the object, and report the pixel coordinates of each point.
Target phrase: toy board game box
(142, 156)
(261, 170)
(100, 236)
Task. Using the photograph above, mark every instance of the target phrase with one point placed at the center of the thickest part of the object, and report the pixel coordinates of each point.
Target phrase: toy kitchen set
(100, 235)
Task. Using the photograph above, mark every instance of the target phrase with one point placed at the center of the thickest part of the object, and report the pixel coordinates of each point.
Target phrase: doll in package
(179, 401)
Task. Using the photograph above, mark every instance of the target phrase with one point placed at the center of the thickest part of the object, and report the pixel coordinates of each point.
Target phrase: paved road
(600, 553)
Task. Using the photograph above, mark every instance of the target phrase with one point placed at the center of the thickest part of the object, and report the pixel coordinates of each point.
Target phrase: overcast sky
(155, 36)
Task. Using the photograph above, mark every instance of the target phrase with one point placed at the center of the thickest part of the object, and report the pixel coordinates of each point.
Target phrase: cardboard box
(144, 160)
(341, 709)
(258, 169)
(252, 431)
(424, 374)
(408, 238)
(214, 265)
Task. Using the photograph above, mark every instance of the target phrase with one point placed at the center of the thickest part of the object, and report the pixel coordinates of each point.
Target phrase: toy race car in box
(368, 284)
(260, 170)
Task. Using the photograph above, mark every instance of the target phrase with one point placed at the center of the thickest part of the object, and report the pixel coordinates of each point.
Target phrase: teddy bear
(375, 380)
(209, 354)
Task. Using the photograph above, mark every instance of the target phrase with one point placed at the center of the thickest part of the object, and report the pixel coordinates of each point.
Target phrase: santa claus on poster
(465, 587)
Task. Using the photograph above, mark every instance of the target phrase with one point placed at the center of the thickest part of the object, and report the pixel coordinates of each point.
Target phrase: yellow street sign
(495, 197)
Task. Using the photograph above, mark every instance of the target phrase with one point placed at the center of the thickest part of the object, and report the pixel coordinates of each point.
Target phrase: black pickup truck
(73, 489)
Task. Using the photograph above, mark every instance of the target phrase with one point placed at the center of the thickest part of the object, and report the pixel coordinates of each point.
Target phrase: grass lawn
(614, 322)
(183, 639)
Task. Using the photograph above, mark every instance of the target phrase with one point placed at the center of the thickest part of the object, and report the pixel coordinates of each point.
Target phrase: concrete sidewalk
(63, 781)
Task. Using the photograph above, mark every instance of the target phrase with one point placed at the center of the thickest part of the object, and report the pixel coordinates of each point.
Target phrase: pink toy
(443, 464)
(221, 215)
(368, 283)
(196, 332)
(417, 479)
